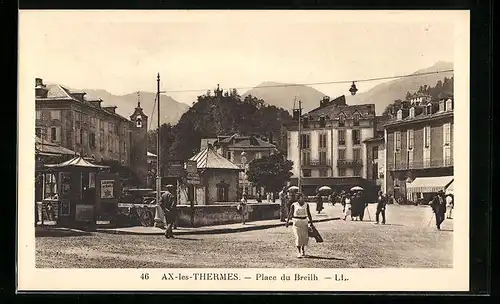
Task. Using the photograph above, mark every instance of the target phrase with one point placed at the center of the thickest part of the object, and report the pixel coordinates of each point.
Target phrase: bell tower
(139, 143)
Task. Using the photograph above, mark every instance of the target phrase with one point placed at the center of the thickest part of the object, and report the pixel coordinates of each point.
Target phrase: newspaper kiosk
(84, 191)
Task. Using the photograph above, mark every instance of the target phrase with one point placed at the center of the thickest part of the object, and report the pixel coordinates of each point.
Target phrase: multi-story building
(331, 141)
(232, 147)
(66, 117)
(419, 149)
(375, 153)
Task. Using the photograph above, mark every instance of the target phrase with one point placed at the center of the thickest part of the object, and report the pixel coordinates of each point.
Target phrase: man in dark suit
(381, 203)
(439, 208)
(169, 205)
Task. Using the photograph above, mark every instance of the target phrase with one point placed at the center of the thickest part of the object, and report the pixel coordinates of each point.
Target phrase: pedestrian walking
(300, 215)
(258, 197)
(449, 206)
(269, 198)
(438, 205)
(381, 204)
(319, 203)
(347, 207)
(243, 209)
(168, 204)
(283, 205)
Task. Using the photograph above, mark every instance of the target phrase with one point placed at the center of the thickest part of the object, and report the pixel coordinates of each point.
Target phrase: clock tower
(139, 144)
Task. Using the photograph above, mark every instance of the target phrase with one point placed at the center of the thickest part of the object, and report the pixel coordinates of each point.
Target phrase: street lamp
(243, 163)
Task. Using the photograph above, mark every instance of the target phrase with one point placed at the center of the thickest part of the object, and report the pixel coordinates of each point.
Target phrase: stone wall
(225, 214)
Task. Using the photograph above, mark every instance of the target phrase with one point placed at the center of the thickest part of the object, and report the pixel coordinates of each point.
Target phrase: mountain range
(170, 109)
(280, 95)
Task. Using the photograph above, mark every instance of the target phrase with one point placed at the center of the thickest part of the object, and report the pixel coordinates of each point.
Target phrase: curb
(60, 232)
(210, 231)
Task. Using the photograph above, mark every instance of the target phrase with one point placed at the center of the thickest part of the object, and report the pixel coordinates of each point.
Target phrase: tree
(270, 172)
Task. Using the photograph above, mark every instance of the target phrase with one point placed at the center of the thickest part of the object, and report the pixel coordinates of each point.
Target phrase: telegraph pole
(299, 183)
(158, 153)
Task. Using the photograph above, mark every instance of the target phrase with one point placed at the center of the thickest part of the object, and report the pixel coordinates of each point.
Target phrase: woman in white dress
(300, 215)
(347, 207)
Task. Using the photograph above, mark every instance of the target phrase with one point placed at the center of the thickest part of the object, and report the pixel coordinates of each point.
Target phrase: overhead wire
(321, 83)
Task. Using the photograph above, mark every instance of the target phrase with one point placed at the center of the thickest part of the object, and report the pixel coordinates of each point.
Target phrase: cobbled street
(409, 240)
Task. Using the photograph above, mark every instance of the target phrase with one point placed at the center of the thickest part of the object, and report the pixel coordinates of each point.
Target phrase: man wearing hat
(169, 205)
(439, 208)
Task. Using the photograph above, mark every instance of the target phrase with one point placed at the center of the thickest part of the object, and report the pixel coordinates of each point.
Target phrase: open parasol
(325, 188)
(356, 188)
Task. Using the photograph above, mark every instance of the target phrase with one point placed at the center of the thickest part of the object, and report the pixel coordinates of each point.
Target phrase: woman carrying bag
(300, 215)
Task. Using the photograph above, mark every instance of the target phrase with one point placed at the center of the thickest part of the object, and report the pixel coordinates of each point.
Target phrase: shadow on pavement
(315, 257)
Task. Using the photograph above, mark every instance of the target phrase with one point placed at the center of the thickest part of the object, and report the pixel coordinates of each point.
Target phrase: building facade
(419, 149)
(375, 160)
(331, 141)
(69, 119)
(232, 147)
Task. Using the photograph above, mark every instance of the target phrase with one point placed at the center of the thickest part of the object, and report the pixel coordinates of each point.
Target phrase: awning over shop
(78, 162)
(429, 184)
(449, 189)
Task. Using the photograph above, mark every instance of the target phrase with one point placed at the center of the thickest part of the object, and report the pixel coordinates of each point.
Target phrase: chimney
(39, 82)
(110, 108)
(40, 90)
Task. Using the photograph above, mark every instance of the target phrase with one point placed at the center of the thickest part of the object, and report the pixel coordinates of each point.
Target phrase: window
(139, 121)
(322, 157)
(55, 134)
(38, 114)
(305, 141)
(78, 137)
(447, 134)
(375, 152)
(110, 144)
(228, 155)
(412, 112)
(375, 171)
(50, 186)
(399, 115)
(356, 154)
(410, 138)
(341, 153)
(427, 137)
(341, 171)
(322, 140)
(101, 140)
(356, 119)
(428, 109)
(101, 124)
(449, 105)
(258, 155)
(55, 114)
(322, 122)
(323, 173)
(410, 159)
(38, 132)
(306, 172)
(306, 158)
(92, 141)
(447, 156)
(341, 120)
(356, 137)
(397, 141)
(78, 116)
(357, 171)
(341, 134)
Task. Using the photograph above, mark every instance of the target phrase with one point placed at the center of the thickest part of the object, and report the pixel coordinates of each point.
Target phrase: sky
(122, 52)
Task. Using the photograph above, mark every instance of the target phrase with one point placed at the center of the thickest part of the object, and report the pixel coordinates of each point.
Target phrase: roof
(77, 161)
(429, 184)
(209, 159)
(333, 111)
(59, 92)
(420, 117)
(49, 148)
(237, 141)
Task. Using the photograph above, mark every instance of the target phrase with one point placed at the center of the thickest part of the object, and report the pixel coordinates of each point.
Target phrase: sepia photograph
(232, 149)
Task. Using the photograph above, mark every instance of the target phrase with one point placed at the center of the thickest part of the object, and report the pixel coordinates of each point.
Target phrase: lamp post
(243, 163)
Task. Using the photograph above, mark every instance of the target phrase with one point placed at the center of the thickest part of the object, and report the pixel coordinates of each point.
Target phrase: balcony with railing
(349, 163)
(317, 163)
(422, 164)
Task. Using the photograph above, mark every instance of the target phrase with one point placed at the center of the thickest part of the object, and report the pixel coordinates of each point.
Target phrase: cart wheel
(147, 218)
